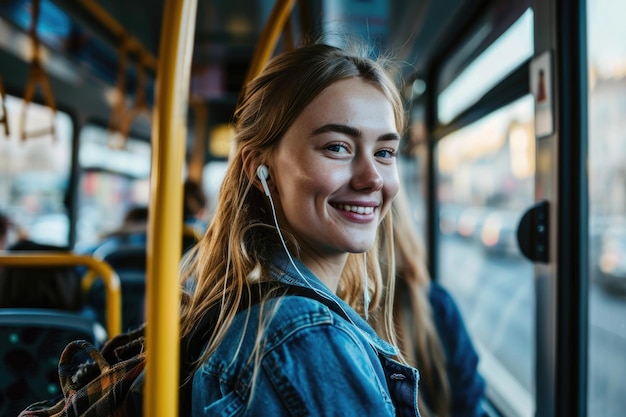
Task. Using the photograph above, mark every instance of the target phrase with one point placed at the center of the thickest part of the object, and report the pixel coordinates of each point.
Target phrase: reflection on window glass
(494, 64)
(114, 179)
(485, 181)
(34, 174)
(607, 204)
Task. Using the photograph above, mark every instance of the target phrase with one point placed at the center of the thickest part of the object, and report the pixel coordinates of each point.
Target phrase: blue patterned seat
(31, 342)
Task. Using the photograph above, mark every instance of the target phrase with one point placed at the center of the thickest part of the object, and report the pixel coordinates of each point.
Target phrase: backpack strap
(193, 344)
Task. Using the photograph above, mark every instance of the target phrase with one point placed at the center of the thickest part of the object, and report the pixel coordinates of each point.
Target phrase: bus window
(495, 63)
(485, 181)
(607, 207)
(34, 173)
(113, 180)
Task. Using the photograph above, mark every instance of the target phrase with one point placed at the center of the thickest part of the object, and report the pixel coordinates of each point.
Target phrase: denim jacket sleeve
(313, 364)
(467, 386)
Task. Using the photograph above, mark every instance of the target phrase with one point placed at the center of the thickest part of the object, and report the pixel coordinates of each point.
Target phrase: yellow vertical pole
(165, 214)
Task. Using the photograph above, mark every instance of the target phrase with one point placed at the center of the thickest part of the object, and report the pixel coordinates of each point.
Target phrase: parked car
(499, 233)
(471, 221)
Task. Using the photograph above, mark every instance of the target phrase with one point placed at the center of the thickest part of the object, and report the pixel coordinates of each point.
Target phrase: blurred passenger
(431, 332)
(133, 229)
(194, 204)
(125, 250)
(194, 213)
(136, 217)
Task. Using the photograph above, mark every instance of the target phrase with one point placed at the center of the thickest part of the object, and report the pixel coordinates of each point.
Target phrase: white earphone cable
(366, 293)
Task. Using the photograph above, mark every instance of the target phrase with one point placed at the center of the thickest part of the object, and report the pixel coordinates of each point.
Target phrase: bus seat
(31, 343)
(133, 288)
(125, 257)
(129, 255)
(129, 262)
(40, 287)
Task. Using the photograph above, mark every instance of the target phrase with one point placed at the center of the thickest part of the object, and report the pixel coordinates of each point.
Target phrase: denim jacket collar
(296, 273)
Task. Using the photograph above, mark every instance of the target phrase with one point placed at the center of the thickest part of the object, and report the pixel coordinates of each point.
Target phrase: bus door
(580, 289)
(528, 201)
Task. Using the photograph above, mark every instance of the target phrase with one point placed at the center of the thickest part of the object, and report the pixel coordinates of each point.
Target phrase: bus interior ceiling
(87, 37)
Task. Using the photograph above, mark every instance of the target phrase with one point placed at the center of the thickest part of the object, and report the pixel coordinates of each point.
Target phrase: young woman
(431, 331)
(311, 177)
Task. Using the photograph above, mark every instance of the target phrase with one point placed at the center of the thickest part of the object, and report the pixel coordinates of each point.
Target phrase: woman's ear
(251, 162)
(248, 163)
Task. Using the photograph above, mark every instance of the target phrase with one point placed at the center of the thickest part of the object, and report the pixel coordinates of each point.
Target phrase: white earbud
(263, 172)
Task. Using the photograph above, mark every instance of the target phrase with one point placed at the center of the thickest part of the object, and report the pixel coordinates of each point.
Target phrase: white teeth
(355, 209)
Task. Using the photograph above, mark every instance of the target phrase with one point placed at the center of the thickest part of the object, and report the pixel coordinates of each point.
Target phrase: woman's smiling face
(334, 172)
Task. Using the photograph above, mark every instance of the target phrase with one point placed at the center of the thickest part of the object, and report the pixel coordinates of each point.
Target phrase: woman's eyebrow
(389, 136)
(334, 127)
(351, 131)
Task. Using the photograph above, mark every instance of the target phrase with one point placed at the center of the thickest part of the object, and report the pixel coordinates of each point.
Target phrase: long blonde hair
(418, 339)
(237, 247)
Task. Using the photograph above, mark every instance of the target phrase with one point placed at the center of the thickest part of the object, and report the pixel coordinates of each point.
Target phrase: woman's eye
(386, 153)
(337, 147)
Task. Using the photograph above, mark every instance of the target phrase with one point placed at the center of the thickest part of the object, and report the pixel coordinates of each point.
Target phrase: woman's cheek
(392, 185)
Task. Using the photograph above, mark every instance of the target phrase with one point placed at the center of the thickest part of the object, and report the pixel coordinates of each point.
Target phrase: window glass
(607, 207)
(114, 179)
(485, 181)
(34, 173)
(495, 63)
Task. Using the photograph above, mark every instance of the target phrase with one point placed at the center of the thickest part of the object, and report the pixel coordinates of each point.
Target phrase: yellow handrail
(37, 75)
(101, 268)
(166, 208)
(101, 15)
(269, 37)
(141, 102)
(119, 99)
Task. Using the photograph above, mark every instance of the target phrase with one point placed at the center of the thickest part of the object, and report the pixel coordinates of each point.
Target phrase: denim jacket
(313, 362)
(467, 386)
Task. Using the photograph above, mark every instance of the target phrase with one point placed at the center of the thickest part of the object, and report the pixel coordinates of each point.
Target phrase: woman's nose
(366, 175)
